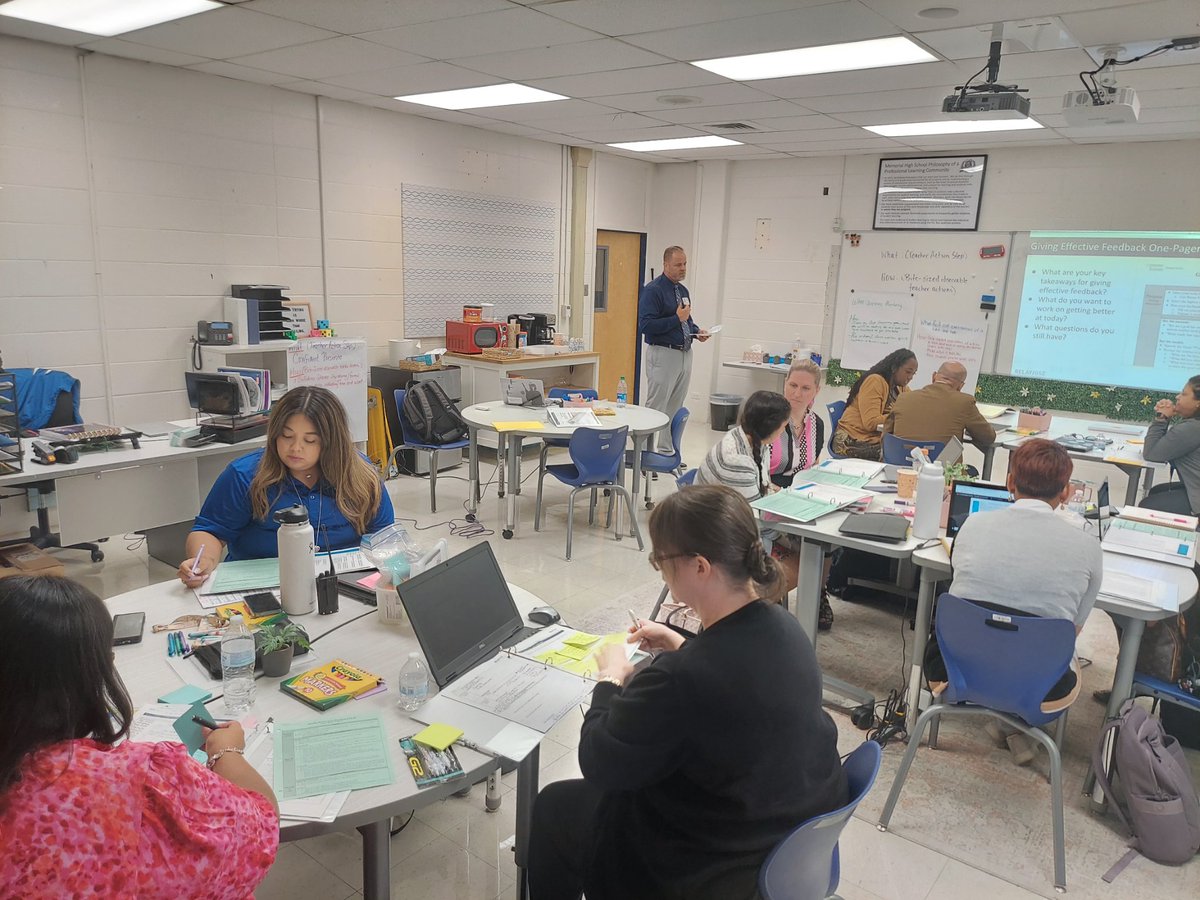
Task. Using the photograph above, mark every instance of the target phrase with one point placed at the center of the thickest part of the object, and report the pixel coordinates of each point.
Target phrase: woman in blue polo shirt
(309, 460)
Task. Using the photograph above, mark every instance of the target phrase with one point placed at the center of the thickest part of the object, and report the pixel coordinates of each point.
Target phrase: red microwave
(473, 337)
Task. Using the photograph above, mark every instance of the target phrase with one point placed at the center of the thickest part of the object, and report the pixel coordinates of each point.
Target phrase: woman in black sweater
(698, 765)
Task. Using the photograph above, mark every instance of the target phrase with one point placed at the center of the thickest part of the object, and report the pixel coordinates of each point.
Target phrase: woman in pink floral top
(83, 816)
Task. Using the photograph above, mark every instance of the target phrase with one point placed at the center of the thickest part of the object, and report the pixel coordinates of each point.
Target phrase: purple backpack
(1154, 798)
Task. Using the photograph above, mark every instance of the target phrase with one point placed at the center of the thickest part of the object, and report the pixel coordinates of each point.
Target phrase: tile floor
(457, 850)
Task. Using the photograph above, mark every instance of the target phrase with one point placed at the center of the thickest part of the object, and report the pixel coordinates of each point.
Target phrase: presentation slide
(1111, 308)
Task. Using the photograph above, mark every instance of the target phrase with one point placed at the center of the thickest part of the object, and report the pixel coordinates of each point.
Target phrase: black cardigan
(707, 759)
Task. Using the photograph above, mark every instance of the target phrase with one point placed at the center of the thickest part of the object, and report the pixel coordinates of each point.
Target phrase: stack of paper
(809, 501)
(992, 410)
(822, 475)
(572, 418)
(1147, 591)
(852, 467)
(260, 753)
(329, 756)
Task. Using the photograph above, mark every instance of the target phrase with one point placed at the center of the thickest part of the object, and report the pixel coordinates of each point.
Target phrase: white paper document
(520, 690)
(572, 418)
(260, 753)
(1145, 591)
(1159, 542)
(156, 723)
(852, 467)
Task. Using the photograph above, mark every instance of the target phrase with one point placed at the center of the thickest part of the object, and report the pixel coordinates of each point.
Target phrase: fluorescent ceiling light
(687, 143)
(874, 54)
(474, 98)
(105, 17)
(955, 126)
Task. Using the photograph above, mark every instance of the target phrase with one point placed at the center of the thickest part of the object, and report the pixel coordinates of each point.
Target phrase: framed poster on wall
(930, 193)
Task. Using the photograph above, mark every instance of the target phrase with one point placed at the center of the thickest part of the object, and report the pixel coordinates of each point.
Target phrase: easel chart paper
(878, 323)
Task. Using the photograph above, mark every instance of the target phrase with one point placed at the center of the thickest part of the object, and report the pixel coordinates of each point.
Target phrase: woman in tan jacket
(869, 403)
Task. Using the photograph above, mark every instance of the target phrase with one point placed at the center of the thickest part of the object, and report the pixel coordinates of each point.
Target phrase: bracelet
(611, 679)
(212, 760)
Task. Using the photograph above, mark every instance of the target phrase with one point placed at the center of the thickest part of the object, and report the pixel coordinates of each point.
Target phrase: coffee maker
(541, 330)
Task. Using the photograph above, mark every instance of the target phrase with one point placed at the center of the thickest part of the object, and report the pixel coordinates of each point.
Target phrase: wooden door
(619, 261)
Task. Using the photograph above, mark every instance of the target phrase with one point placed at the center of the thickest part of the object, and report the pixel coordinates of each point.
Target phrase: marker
(207, 723)
(196, 561)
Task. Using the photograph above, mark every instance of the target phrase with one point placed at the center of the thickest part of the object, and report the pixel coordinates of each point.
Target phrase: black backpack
(431, 414)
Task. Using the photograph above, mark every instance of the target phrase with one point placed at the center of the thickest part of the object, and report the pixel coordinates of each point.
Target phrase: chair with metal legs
(413, 442)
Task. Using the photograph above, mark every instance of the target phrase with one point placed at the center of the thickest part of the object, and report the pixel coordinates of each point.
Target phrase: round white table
(356, 634)
(642, 422)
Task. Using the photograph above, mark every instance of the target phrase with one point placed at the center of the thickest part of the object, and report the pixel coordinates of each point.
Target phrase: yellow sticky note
(438, 736)
(581, 640)
(571, 652)
(520, 426)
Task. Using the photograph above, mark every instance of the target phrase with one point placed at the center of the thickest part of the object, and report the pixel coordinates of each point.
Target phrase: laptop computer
(462, 613)
(951, 453)
(523, 392)
(969, 497)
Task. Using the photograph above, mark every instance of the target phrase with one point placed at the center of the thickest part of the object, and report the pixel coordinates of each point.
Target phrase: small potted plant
(278, 644)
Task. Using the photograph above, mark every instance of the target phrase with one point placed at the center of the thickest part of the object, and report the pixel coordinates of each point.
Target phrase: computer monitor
(969, 497)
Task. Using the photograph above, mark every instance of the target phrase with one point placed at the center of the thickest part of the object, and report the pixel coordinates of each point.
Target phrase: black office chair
(41, 535)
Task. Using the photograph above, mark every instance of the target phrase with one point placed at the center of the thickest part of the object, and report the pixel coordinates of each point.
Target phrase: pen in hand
(196, 561)
(207, 723)
(637, 623)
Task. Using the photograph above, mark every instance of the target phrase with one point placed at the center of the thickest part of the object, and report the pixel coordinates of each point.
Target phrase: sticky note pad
(438, 736)
(188, 694)
(581, 640)
(572, 652)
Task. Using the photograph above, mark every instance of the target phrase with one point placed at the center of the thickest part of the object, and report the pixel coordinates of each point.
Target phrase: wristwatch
(611, 679)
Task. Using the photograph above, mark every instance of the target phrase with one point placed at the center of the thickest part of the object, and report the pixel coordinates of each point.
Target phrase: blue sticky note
(189, 694)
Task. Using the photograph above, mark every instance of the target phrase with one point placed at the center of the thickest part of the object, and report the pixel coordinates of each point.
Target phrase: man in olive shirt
(940, 411)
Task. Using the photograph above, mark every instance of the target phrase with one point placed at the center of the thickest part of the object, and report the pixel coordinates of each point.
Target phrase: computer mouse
(544, 615)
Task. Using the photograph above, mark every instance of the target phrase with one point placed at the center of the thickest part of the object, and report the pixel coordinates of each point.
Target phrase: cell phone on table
(127, 628)
(263, 603)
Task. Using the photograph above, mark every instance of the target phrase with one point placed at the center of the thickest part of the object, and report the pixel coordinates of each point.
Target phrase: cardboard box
(26, 559)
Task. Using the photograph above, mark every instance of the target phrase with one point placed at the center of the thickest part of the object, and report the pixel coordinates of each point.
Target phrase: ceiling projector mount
(1102, 101)
(996, 101)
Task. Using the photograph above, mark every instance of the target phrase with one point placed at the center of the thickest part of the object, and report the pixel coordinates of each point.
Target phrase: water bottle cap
(292, 515)
(414, 655)
(235, 618)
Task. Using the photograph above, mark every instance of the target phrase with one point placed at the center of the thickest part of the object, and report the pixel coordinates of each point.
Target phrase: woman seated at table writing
(742, 461)
(695, 767)
(1177, 443)
(1026, 560)
(309, 460)
(868, 404)
(83, 815)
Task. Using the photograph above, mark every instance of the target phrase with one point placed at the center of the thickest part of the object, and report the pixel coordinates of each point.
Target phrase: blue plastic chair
(653, 461)
(412, 442)
(999, 665)
(898, 451)
(806, 864)
(563, 394)
(835, 410)
(687, 479)
(597, 455)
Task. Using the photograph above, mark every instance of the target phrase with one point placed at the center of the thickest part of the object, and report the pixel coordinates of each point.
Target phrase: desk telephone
(215, 333)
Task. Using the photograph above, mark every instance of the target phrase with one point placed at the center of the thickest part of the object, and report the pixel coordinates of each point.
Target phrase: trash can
(723, 411)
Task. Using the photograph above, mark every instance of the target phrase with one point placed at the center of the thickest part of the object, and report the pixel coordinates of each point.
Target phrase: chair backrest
(1002, 661)
(898, 451)
(687, 478)
(563, 393)
(598, 453)
(835, 410)
(678, 423)
(805, 865)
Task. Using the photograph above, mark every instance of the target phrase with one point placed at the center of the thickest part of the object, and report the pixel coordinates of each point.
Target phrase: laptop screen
(968, 497)
(461, 612)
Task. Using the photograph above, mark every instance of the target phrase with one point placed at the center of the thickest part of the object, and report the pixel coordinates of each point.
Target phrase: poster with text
(878, 323)
(931, 193)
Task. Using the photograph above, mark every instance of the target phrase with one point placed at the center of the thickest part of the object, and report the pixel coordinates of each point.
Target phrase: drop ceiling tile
(1037, 34)
(509, 29)
(797, 123)
(620, 17)
(241, 73)
(893, 116)
(867, 143)
(1134, 22)
(573, 124)
(320, 88)
(844, 133)
(864, 81)
(335, 56)
(419, 79)
(1170, 98)
(668, 78)
(1158, 115)
(904, 13)
(1141, 129)
(736, 112)
(839, 105)
(357, 16)
(227, 32)
(568, 59)
(622, 135)
(1018, 66)
(130, 50)
(725, 94)
(826, 24)
(554, 110)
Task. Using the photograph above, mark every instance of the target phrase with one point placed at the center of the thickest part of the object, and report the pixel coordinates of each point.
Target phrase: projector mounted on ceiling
(1102, 102)
(990, 100)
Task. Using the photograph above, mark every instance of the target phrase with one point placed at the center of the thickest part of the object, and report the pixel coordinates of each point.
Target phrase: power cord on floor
(458, 527)
(893, 721)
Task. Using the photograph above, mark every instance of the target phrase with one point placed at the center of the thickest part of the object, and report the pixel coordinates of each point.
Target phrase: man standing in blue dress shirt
(665, 319)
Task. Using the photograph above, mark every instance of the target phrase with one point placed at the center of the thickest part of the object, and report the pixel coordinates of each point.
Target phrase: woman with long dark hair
(1174, 437)
(85, 815)
(742, 458)
(868, 404)
(309, 460)
(695, 767)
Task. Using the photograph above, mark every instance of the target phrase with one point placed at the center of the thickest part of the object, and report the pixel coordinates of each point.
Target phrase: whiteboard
(877, 322)
(948, 277)
(339, 364)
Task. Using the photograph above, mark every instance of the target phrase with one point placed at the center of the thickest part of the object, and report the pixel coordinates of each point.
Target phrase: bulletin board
(339, 364)
(944, 276)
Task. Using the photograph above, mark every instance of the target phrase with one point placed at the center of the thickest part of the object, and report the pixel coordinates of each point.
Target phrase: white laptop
(523, 392)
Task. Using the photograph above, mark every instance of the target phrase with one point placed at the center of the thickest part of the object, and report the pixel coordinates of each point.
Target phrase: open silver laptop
(523, 392)
(950, 454)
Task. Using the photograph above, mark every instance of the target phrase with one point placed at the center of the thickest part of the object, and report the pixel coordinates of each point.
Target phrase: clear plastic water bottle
(1076, 504)
(414, 683)
(237, 667)
(622, 391)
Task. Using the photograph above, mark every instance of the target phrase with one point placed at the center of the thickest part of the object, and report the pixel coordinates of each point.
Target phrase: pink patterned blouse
(135, 820)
